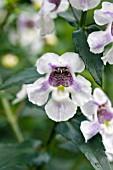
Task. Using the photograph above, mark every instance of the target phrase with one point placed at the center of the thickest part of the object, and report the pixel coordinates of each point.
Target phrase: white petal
(60, 111)
(98, 40)
(108, 57)
(47, 7)
(81, 90)
(100, 97)
(45, 63)
(73, 61)
(38, 92)
(89, 129)
(21, 94)
(63, 6)
(104, 15)
(45, 24)
(89, 109)
(84, 4)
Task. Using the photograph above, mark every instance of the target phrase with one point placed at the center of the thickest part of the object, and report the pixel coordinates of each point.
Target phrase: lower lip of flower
(60, 76)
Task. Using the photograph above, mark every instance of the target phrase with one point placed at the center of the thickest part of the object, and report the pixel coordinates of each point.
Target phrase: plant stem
(73, 11)
(11, 118)
(83, 18)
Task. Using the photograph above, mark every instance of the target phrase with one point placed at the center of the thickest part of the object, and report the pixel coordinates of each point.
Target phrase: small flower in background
(14, 60)
(27, 34)
(99, 39)
(84, 4)
(62, 82)
(100, 114)
(48, 12)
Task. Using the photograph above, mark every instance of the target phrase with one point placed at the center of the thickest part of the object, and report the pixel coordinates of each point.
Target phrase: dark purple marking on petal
(56, 2)
(103, 115)
(60, 76)
(112, 29)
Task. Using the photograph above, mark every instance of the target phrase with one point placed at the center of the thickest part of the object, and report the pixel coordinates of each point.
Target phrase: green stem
(11, 118)
(73, 11)
(83, 18)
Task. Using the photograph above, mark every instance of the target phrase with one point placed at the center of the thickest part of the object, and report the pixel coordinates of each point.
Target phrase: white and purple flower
(84, 4)
(99, 39)
(100, 114)
(49, 11)
(68, 90)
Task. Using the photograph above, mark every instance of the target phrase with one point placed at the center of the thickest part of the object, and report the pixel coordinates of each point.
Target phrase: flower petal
(20, 95)
(81, 90)
(89, 109)
(60, 111)
(105, 15)
(73, 61)
(108, 57)
(84, 4)
(47, 7)
(38, 92)
(99, 39)
(45, 24)
(45, 63)
(100, 97)
(89, 129)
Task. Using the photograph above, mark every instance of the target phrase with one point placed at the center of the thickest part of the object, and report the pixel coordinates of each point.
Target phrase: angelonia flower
(84, 4)
(27, 34)
(48, 12)
(100, 119)
(68, 90)
(99, 39)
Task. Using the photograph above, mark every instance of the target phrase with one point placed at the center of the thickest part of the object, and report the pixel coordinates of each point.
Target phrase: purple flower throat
(60, 76)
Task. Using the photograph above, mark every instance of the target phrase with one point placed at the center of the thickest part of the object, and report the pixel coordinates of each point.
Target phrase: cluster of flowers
(70, 91)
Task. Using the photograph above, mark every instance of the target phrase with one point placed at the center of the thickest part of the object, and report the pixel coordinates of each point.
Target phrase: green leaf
(68, 16)
(19, 156)
(92, 61)
(93, 149)
(25, 77)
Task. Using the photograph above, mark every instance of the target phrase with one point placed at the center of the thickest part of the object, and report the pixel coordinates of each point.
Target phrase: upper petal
(81, 92)
(100, 97)
(105, 15)
(89, 129)
(46, 62)
(108, 57)
(89, 109)
(73, 61)
(99, 39)
(60, 110)
(38, 91)
(84, 4)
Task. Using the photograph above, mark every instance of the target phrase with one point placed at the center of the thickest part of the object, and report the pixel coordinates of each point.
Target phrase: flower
(84, 4)
(61, 81)
(27, 34)
(99, 39)
(49, 11)
(100, 119)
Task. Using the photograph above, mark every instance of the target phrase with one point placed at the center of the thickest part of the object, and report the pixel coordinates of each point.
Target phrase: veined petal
(60, 111)
(105, 15)
(98, 40)
(46, 62)
(84, 4)
(108, 57)
(45, 24)
(89, 109)
(89, 129)
(38, 92)
(81, 92)
(100, 97)
(72, 61)
(21, 94)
